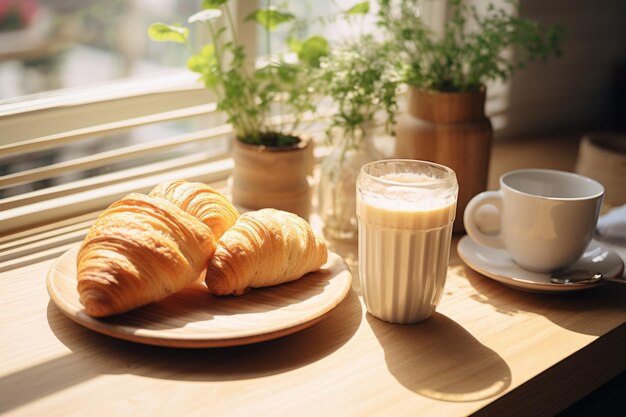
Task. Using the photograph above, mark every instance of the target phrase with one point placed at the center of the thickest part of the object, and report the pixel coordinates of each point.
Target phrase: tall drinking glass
(405, 211)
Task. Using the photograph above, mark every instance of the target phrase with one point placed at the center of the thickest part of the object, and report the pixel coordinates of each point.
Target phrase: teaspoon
(581, 276)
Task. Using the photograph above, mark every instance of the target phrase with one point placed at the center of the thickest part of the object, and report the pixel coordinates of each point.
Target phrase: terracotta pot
(279, 178)
(450, 129)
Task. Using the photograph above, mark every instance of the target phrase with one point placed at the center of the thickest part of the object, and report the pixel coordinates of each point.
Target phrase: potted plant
(272, 160)
(445, 118)
(362, 83)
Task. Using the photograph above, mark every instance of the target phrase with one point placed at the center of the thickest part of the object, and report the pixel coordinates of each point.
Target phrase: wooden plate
(194, 319)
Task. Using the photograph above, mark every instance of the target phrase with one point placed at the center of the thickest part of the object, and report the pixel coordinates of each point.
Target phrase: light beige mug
(547, 217)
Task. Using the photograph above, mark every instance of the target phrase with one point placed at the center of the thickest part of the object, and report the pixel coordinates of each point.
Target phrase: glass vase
(337, 185)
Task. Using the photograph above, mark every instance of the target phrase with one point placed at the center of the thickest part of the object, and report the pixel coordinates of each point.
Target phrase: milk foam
(407, 207)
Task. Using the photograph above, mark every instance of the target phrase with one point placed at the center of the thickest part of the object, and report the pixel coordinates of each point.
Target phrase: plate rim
(525, 284)
(193, 340)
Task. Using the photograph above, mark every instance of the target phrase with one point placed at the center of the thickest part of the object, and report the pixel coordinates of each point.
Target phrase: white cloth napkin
(612, 226)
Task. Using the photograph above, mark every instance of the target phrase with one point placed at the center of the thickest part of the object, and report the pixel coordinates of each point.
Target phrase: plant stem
(231, 24)
(267, 33)
(268, 46)
(217, 48)
(245, 123)
(218, 55)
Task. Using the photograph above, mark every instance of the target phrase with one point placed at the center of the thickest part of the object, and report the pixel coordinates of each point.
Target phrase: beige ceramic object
(602, 156)
(450, 129)
(279, 178)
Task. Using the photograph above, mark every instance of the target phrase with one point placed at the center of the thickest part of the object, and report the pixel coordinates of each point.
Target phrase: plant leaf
(263, 73)
(210, 79)
(270, 18)
(294, 44)
(208, 52)
(204, 60)
(312, 50)
(195, 63)
(205, 16)
(162, 32)
(213, 4)
(359, 8)
(287, 72)
(220, 32)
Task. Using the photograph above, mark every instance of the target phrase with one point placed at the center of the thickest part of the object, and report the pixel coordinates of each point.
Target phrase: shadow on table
(93, 354)
(561, 308)
(348, 250)
(439, 359)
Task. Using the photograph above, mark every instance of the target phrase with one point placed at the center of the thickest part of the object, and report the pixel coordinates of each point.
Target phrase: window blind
(104, 155)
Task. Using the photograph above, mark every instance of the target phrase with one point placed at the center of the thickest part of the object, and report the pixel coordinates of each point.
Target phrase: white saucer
(499, 265)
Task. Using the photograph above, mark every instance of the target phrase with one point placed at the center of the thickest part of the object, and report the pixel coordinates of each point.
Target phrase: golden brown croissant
(263, 248)
(139, 250)
(201, 201)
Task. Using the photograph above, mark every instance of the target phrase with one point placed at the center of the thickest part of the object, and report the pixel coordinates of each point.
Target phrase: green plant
(360, 79)
(247, 95)
(471, 50)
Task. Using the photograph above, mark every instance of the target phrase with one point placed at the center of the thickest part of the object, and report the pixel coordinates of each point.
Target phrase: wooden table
(489, 350)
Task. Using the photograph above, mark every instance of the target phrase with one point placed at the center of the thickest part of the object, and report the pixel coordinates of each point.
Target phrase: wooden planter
(279, 178)
(450, 129)
(602, 156)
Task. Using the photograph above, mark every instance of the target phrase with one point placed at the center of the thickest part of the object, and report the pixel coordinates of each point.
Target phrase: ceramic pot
(450, 129)
(278, 177)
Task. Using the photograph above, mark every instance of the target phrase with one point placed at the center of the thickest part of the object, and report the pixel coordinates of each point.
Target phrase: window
(54, 44)
(122, 111)
(91, 109)
(123, 114)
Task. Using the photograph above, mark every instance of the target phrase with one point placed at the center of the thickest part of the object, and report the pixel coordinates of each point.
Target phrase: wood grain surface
(488, 347)
(488, 350)
(193, 318)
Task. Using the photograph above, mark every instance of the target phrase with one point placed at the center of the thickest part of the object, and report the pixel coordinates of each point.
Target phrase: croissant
(140, 250)
(201, 201)
(263, 248)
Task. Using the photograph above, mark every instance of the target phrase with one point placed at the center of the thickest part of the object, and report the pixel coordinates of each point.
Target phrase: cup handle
(493, 198)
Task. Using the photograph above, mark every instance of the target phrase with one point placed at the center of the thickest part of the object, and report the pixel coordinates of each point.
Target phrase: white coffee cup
(547, 217)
